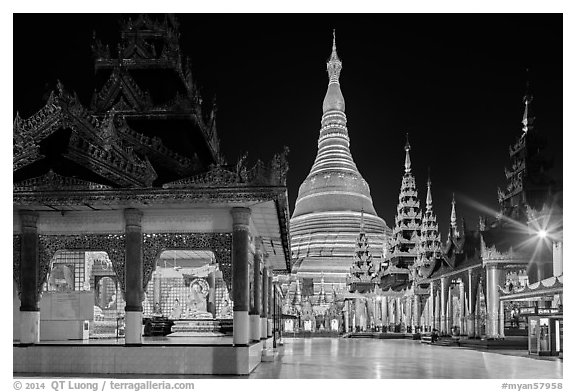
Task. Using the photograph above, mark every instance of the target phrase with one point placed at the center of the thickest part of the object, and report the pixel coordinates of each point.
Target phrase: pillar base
(241, 328)
(263, 328)
(29, 327)
(255, 333)
(133, 329)
(269, 328)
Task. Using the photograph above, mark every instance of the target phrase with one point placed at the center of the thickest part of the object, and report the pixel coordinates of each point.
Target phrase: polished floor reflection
(402, 359)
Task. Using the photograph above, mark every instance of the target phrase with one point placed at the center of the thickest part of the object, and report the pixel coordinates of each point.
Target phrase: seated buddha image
(196, 302)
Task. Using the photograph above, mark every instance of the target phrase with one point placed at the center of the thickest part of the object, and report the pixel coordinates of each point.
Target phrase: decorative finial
(407, 162)
(527, 99)
(453, 222)
(334, 65)
(429, 194)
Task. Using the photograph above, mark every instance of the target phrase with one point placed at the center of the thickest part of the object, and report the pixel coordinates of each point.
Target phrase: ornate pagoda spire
(528, 181)
(402, 254)
(407, 163)
(430, 246)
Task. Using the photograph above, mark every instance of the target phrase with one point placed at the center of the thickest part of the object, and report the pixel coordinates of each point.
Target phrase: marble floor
(398, 359)
(339, 358)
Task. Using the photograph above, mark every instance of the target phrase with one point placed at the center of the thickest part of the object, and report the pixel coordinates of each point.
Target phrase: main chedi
(326, 219)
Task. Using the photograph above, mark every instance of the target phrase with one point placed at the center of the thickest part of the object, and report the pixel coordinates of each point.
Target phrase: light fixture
(542, 233)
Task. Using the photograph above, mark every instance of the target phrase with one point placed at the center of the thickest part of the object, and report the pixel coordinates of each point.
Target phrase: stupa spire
(407, 162)
(429, 195)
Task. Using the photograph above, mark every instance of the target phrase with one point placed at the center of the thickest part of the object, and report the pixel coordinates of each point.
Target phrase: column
(240, 274)
(501, 320)
(270, 303)
(450, 309)
(345, 311)
(444, 330)
(493, 274)
(255, 323)
(473, 282)
(462, 296)
(211, 304)
(438, 311)
(264, 312)
(417, 312)
(432, 306)
(384, 305)
(29, 266)
(133, 276)
(156, 290)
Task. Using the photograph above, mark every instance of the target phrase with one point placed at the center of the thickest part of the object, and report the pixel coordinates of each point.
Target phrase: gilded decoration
(16, 261)
(112, 244)
(219, 243)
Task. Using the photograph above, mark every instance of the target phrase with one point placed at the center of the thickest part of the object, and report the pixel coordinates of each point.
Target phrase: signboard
(547, 311)
(528, 311)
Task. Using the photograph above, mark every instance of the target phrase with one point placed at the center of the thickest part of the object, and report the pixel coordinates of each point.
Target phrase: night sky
(454, 82)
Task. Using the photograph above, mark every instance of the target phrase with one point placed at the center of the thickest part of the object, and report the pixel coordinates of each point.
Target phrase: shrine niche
(218, 243)
(113, 244)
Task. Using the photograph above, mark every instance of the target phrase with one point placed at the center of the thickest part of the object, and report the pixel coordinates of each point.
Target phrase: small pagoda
(362, 277)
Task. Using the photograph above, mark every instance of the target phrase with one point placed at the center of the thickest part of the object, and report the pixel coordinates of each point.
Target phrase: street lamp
(542, 233)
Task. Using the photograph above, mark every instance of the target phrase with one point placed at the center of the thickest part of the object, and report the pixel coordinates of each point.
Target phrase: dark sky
(454, 82)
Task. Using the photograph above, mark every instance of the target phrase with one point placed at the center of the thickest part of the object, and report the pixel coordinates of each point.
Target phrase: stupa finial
(429, 194)
(407, 163)
(453, 222)
(334, 64)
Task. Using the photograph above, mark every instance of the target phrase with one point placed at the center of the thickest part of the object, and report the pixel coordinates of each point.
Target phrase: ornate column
(462, 297)
(264, 312)
(270, 303)
(240, 274)
(444, 291)
(133, 276)
(255, 332)
(493, 274)
(211, 304)
(29, 271)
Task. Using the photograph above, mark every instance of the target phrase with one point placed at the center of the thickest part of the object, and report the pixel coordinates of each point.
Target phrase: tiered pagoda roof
(528, 182)
(430, 247)
(403, 246)
(362, 277)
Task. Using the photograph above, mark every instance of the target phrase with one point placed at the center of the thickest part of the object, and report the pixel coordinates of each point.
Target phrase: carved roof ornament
(271, 174)
(52, 181)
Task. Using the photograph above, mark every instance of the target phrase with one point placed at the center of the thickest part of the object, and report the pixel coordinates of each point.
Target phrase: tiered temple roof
(405, 235)
(430, 247)
(362, 277)
(528, 182)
